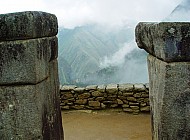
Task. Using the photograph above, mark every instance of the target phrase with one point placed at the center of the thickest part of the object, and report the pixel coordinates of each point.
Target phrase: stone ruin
(168, 45)
(29, 85)
(131, 98)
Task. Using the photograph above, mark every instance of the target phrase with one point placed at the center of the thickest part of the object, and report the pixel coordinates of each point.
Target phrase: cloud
(180, 13)
(73, 13)
(10, 6)
(118, 58)
(112, 12)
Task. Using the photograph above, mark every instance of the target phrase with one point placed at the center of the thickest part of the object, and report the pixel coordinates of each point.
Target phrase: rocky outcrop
(127, 97)
(169, 77)
(29, 91)
(168, 41)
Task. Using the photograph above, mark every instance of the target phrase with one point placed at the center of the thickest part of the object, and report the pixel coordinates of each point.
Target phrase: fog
(118, 58)
(180, 13)
(110, 14)
(72, 13)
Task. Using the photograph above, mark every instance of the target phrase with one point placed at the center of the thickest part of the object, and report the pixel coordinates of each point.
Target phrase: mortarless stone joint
(29, 84)
(168, 45)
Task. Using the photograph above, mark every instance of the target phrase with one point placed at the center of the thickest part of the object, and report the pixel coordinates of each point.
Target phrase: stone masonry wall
(168, 45)
(130, 98)
(29, 84)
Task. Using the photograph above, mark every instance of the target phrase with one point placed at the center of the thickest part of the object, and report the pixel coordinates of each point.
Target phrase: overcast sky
(73, 13)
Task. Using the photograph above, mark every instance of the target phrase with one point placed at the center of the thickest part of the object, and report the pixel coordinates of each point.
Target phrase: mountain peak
(181, 12)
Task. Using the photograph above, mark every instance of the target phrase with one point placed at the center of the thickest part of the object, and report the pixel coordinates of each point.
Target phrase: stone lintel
(168, 41)
(27, 25)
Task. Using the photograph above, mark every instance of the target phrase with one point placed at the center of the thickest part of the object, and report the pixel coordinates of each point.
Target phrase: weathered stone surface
(109, 102)
(112, 97)
(91, 99)
(91, 87)
(145, 109)
(114, 105)
(140, 100)
(68, 87)
(103, 105)
(134, 107)
(27, 25)
(127, 110)
(126, 87)
(84, 95)
(125, 101)
(119, 102)
(120, 93)
(24, 111)
(97, 94)
(81, 101)
(19, 101)
(127, 94)
(112, 89)
(101, 88)
(71, 99)
(146, 100)
(52, 128)
(168, 41)
(62, 104)
(133, 99)
(29, 83)
(144, 95)
(65, 107)
(125, 105)
(136, 112)
(139, 87)
(170, 99)
(70, 103)
(94, 103)
(79, 89)
(26, 61)
(147, 85)
(100, 99)
(122, 97)
(133, 104)
(78, 107)
(67, 95)
(143, 105)
(137, 95)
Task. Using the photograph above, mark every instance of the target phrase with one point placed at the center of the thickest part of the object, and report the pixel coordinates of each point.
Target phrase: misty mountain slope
(84, 47)
(181, 12)
(133, 69)
(65, 72)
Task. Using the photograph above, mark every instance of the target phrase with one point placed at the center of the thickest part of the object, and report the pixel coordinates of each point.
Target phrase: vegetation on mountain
(81, 49)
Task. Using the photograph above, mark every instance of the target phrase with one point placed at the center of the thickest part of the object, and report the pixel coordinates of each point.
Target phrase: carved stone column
(168, 45)
(29, 84)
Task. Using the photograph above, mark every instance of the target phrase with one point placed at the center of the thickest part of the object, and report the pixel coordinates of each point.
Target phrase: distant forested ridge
(82, 52)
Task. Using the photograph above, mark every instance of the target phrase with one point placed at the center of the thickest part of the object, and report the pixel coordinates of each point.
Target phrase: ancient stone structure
(29, 85)
(168, 45)
(127, 97)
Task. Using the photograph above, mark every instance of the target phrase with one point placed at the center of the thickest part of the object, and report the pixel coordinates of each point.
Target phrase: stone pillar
(29, 85)
(168, 45)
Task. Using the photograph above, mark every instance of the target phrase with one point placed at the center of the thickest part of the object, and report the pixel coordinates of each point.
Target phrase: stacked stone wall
(128, 97)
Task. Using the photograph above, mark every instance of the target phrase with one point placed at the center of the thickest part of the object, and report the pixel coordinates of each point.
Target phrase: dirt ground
(105, 125)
